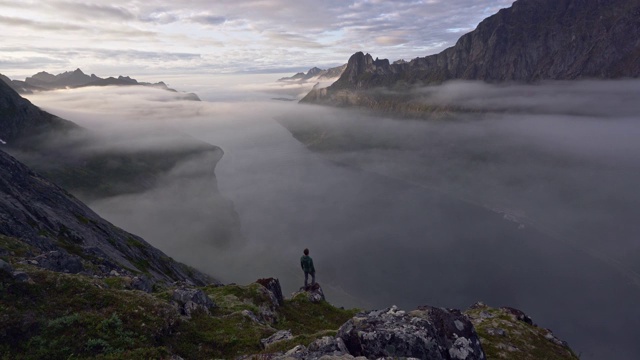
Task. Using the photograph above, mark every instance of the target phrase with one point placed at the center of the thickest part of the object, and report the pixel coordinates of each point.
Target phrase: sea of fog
(532, 205)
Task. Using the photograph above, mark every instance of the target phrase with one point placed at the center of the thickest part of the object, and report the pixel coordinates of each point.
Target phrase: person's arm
(312, 268)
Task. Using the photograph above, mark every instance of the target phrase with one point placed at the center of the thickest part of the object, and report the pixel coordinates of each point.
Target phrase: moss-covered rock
(60, 316)
(506, 333)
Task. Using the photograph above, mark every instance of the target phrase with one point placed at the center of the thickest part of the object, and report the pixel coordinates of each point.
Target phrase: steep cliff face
(532, 40)
(72, 238)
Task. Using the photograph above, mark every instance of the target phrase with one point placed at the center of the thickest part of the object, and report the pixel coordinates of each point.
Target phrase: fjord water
(405, 219)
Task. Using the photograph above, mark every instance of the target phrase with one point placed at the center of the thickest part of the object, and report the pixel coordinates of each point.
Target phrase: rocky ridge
(44, 81)
(533, 40)
(315, 74)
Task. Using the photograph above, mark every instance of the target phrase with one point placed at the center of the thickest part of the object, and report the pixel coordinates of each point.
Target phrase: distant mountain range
(316, 74)
(44, 81)
(531, 41)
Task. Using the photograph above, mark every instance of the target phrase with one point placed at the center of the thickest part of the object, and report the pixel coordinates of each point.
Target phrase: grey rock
(141, 283)
(21, 276)
(299, 350)
(313, 293)
(328, 345)
(59, 261)
(249, 314)
(551, 337)
(279, 336)
(191, 300)
(5, 266)
(496, 332)
(428, 332)
(518, 314)
(273, 285)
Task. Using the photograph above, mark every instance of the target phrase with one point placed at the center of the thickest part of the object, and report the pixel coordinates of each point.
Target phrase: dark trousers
(306, 278)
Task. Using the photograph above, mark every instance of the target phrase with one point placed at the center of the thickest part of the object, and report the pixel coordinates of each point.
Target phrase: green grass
(72, 316)
(529, 340)
(17, 247)
(61, 316)
(304, 317)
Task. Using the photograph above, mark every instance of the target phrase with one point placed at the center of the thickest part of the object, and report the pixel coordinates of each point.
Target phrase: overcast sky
(134, 37)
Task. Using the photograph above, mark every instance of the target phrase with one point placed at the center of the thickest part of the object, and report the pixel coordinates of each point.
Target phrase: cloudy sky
(202, 36)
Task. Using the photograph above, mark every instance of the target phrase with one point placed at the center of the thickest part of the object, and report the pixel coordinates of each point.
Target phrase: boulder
(279, 336)
(325, 348)
(141, 283)
(312, 292)
(518, 314)
(426, 333)
(21, 276)
(328, 345)
(60, 261)
(273, 285)
(192, 299)
(5, 266)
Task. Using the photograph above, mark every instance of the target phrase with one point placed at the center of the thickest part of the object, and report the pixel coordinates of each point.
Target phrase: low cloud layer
(531, 204)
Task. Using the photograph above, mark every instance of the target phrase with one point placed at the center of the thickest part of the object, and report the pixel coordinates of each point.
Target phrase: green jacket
(307, 264)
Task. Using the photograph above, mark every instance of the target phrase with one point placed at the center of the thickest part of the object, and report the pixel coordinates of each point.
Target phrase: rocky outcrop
(190, 300)
(279, 336)
(532, 40)
(312, 293)
(273, 285)
(327, 347)
(68, 233)
(59, 261)
(508, 333)
(426, 333)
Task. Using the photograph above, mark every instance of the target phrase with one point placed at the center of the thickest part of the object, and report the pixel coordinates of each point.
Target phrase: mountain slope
(20, 120)
(50, 219)
(531, 41)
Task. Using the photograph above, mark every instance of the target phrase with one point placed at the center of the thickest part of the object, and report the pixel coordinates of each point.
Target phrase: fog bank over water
(533, 205)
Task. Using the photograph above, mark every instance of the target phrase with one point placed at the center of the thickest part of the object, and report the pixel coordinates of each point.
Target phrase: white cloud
(230, 35)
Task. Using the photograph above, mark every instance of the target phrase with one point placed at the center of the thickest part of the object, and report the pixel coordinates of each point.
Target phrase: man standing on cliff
(307, 266)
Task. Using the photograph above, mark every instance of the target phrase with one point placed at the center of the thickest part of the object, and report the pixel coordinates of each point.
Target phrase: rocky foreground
(55, 315)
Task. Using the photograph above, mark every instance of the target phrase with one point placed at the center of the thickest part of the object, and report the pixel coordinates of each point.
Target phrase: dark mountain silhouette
(21, 121)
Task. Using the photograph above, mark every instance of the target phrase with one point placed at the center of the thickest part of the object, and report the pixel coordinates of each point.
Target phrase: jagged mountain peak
(533, 40)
